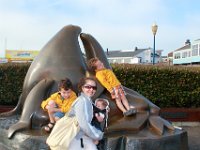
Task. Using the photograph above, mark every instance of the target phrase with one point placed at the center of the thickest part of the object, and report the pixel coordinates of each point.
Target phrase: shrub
(11, 80)
(163, 85)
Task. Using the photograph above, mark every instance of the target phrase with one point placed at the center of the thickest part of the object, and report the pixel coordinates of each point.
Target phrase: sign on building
(21, 55)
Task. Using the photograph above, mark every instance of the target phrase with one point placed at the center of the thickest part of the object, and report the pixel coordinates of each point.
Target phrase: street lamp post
(154, 30)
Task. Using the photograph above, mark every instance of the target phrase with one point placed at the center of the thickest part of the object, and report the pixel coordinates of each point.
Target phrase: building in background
(189, 54)
(134, 56)
(170, 58)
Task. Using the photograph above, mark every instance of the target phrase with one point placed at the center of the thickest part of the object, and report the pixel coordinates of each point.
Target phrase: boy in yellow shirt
(59, 103)
(108, 79)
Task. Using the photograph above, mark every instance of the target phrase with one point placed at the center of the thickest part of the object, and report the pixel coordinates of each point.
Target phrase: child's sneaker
(134, 110)
(130, 112)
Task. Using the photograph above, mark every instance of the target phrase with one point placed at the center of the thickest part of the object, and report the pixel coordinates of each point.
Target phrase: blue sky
(116, 24)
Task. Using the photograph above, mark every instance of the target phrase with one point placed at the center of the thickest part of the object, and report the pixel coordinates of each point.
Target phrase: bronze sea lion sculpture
(62, 57)
(49, 67)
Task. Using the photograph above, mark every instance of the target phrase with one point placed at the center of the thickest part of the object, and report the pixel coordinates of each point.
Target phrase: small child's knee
(51, 104)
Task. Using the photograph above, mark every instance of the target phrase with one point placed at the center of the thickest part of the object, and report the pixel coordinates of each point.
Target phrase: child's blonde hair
(92, 64)
(104, 102)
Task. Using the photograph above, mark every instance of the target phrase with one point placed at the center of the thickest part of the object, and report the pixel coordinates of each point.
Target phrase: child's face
(65, 94)
(100, 105)
(99, 65)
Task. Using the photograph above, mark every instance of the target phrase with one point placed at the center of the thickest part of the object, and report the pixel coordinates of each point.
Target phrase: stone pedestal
(144, 140)
(24, 140)
(135, 140)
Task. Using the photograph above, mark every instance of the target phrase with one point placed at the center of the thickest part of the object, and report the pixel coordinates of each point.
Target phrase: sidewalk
(193, 136)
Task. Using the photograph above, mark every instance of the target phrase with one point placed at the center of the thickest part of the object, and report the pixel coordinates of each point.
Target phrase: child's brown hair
(91, 64)
(65, 84)
(83, 81)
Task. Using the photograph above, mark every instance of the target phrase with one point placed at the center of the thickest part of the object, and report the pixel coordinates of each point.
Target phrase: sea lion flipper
(16, 127)
(158, 124)
(37, 93)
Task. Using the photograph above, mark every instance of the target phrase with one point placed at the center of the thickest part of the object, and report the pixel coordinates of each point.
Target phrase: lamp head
(154, 28)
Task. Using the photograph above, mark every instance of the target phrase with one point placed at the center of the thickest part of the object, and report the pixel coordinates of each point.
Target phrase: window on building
(110, 60)
(199, 49)
(184, 54)
(118, 60)
(189, 54)
(195, 50)
(177, 56)
(127, 60)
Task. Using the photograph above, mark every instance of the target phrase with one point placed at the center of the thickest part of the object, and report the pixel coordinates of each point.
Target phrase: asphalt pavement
(193, 136)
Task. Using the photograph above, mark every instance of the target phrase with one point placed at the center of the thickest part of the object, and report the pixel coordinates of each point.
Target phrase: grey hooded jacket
(83, 110)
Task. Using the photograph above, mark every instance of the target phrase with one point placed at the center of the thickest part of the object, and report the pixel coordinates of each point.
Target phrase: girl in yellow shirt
(108, 79)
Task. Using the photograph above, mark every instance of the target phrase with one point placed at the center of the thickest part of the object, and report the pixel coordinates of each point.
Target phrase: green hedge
(11, 81)
(164, 86)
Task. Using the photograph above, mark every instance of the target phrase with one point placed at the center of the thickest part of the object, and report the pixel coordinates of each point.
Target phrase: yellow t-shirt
(64, 105)
(107, 78)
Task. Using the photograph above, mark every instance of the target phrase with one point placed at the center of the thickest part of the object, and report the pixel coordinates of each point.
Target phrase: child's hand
(102, 115)
(99, 117)
(52, 104)
(47, 107)
(96, 142)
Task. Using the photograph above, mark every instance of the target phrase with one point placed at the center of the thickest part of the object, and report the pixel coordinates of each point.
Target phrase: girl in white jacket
(83, 110)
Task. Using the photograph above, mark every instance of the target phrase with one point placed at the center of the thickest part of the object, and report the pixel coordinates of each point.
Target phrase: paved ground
(193, 137)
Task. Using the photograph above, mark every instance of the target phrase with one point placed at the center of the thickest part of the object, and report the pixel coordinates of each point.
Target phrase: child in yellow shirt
(59, 103)
(108, 79)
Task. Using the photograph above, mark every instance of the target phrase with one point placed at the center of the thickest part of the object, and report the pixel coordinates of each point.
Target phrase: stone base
(137, 140)
(177, 140)
(24, 140)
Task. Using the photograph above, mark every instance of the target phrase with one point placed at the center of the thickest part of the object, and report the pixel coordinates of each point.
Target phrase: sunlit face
(89, 88)
(65, 94)
(99, 65)
(100, 105)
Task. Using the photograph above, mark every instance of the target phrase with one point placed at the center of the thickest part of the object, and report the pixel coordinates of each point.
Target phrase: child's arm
(101, 118)
(96, 142)
(45, 102)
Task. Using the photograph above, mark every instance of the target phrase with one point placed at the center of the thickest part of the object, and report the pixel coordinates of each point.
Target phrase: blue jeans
(59, 114)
